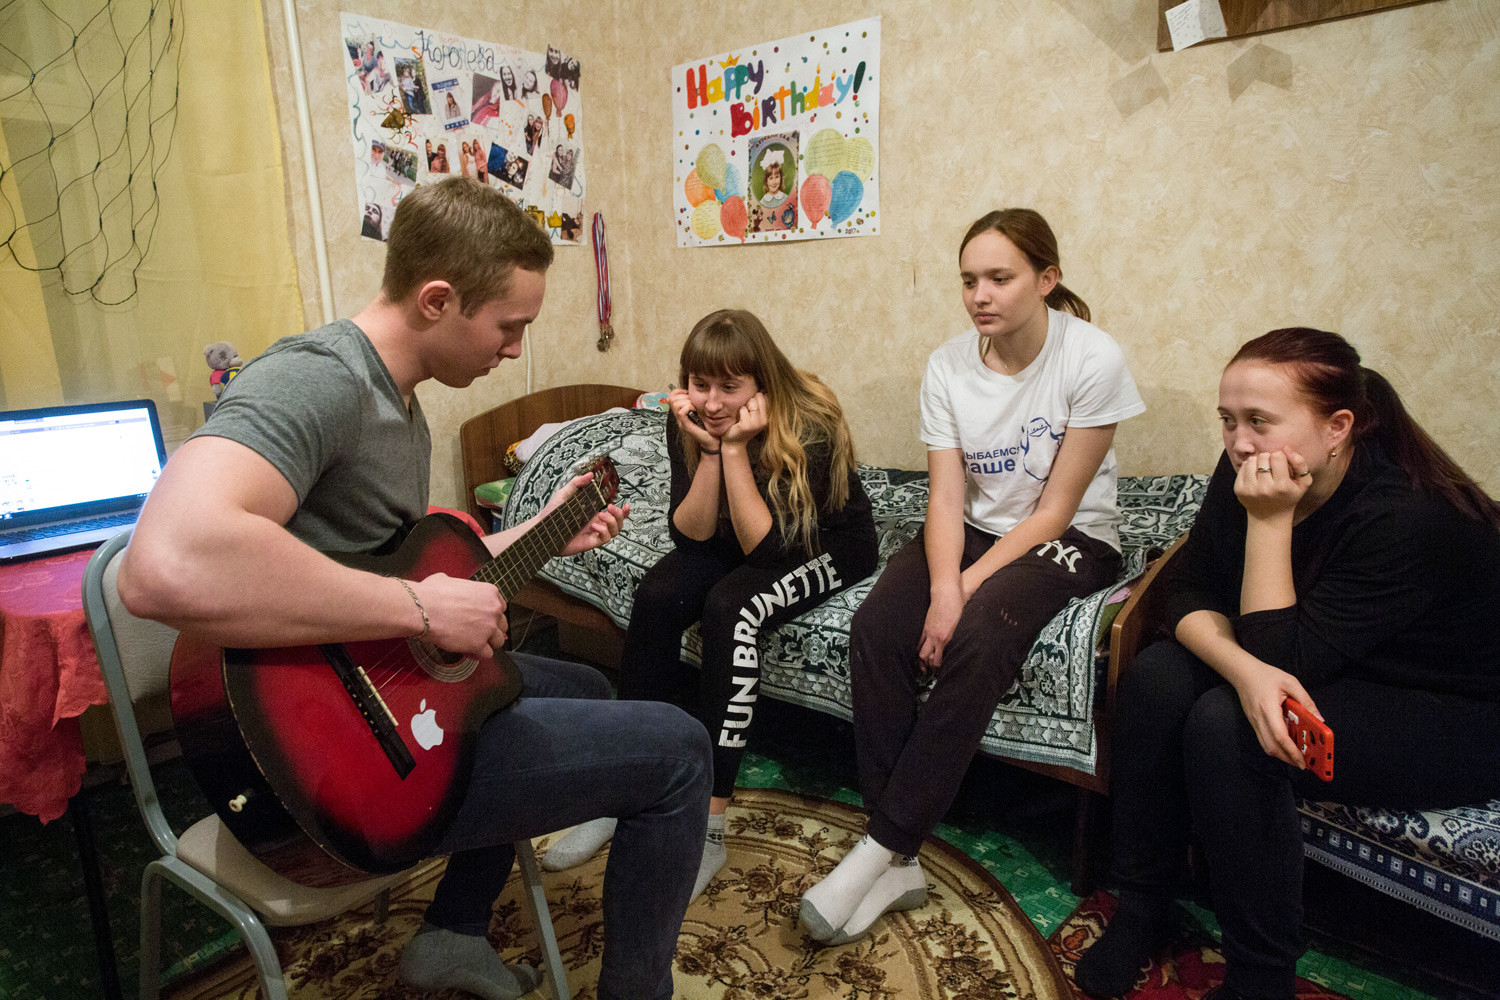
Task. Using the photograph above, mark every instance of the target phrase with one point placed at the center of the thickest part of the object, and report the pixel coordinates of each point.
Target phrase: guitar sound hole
(440, 664)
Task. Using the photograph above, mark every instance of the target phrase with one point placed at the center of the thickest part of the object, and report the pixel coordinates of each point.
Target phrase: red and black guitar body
(334, 762)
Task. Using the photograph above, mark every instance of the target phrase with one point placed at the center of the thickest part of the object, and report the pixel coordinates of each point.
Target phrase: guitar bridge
(377, 716)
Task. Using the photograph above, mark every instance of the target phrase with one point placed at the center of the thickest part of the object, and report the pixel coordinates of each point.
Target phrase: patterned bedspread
(1047, 715)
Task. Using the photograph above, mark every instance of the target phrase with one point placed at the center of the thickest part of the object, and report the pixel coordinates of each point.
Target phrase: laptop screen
(71, 461)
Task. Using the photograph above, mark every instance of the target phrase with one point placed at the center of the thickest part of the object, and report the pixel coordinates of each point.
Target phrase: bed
(1053, 720)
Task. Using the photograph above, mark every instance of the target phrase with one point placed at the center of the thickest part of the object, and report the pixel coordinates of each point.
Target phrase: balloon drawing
(706, 220)
(734, 218)
(847, 191)
(816, 193)
(697, 192)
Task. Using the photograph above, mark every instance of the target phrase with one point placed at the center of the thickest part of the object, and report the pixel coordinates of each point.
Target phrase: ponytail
(1326, 369)
(1032, 236)
(1063, 297)
(1425, 463)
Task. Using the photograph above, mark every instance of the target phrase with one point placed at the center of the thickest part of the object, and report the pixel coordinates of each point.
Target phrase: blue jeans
(564, 754)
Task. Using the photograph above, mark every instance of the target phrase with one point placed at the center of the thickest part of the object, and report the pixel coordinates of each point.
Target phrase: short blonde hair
(465, 233)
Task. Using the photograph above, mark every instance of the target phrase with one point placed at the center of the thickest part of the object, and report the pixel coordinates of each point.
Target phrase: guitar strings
(530, 546)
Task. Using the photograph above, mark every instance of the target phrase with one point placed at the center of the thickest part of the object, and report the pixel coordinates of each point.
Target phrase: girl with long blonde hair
(769, 520)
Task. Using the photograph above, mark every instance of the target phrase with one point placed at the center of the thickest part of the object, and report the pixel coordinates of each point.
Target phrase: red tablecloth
(48, 676)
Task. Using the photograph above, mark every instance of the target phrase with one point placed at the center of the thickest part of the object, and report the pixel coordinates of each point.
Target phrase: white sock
(828, 905)
(714, 854)
(579, 844)
(903, 886)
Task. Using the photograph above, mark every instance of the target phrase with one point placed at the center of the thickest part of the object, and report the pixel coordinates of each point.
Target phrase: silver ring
(1261, 469)
(1307, 473)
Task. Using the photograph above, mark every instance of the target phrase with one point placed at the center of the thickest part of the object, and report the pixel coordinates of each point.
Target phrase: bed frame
(484, 441)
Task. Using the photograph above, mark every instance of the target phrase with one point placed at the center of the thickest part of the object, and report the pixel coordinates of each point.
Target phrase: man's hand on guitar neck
(467, 616)
(602, 527)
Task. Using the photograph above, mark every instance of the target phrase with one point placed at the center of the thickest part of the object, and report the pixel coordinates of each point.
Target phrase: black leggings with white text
(736, 604)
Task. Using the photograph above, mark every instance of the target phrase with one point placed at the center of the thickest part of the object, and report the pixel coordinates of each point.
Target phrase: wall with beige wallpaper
(1341, 175)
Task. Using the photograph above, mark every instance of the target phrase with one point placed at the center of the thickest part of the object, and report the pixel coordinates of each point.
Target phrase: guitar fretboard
(519, 562)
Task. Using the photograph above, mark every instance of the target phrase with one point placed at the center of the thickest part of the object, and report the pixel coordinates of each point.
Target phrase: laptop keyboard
(67, 527)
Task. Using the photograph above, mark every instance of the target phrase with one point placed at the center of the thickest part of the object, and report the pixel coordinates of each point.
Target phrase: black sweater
(851, 528)
(1393, 585)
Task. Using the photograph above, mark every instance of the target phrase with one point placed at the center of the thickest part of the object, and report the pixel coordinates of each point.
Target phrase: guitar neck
(514, 567)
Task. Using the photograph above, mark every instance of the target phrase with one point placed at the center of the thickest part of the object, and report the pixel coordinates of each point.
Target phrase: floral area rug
(1192, 966)
(740, 939)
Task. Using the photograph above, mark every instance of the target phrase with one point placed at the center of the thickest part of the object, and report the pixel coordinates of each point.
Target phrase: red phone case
(1312, 736)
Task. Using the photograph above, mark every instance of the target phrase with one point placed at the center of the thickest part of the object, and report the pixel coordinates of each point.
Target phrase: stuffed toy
(225, 363)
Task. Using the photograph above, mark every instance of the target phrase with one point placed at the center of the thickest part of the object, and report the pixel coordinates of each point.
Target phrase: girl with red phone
(1341, 560)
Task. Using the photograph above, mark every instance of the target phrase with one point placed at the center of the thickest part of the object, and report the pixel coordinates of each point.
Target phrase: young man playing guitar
(321, 445)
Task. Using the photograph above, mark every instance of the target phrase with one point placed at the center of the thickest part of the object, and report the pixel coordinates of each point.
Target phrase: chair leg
(267, 964)
(151, 932)
(240, 917)
(382, 906)
(541, 916)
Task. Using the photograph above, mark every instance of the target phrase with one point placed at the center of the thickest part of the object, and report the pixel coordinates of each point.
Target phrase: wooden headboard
(485, 437)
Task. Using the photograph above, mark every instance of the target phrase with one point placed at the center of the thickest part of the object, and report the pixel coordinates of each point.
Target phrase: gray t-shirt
(323, 409)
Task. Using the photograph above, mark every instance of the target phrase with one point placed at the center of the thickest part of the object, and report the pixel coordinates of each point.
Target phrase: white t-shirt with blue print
(1009, 427)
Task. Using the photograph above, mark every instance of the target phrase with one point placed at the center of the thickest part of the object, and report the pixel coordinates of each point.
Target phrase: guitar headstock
(606, 477)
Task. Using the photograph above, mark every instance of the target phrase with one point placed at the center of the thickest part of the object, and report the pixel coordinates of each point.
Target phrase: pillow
(493, 495)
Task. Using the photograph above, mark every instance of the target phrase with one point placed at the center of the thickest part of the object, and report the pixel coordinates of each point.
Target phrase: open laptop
(72, 476)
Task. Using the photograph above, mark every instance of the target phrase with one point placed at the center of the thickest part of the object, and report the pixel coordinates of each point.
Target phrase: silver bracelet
(426, 622)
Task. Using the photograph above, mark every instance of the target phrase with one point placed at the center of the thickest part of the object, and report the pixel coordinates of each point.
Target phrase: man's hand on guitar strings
(601, 528)
(468, 616)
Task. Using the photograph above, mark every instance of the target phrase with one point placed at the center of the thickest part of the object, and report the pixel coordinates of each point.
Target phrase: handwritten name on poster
(426, 105)
(779, 141)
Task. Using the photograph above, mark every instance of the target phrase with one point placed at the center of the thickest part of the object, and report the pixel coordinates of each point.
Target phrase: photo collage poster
(427, 105)
(779, 141)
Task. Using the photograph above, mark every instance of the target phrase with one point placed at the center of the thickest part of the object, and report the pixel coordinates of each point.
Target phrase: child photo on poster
(773, 183)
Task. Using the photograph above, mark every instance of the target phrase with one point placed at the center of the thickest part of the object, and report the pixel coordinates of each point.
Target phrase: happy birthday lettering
(786, 102)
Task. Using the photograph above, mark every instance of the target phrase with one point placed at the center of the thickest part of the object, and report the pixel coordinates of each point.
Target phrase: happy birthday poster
(425, 105)
(779, 141)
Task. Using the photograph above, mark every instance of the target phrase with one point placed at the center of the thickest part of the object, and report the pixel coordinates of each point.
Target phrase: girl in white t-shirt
(1019, 417)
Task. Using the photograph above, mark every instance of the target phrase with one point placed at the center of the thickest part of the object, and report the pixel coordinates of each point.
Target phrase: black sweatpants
(736, 603)
(913, 755)
(1186, 764)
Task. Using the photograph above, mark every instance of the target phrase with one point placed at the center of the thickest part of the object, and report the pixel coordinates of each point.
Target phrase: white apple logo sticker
(425, 728)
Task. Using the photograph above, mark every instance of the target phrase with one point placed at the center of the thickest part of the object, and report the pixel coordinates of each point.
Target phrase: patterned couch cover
(1445, 861)
(1047, 715)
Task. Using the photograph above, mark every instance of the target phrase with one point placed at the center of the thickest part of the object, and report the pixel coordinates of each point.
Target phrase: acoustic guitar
(335, 762)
